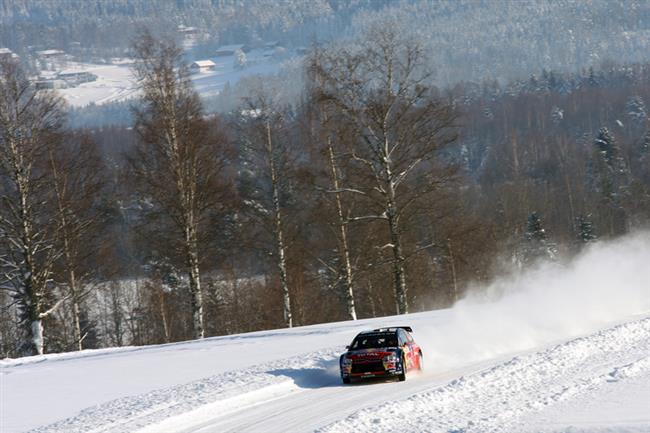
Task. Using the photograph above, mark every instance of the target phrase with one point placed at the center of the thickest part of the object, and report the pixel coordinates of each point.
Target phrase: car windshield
(374, 341)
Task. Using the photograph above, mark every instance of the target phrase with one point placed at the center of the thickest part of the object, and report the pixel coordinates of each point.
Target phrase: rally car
(384, 352)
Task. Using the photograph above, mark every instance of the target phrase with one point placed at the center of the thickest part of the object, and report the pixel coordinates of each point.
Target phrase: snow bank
(609, 281)
(504, 398)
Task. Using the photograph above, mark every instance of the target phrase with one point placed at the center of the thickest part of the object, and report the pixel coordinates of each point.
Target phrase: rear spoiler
(406, 328)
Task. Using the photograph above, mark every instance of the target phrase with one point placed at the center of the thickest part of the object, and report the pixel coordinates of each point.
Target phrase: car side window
(409, 337)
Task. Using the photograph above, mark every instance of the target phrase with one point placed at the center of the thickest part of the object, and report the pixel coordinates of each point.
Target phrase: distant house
(276, 52)
(6, 54)
(50, 54)
(73, 78)
(271, 44)
(187, 31)
(202, 66)
(230, 50)
(50, 84)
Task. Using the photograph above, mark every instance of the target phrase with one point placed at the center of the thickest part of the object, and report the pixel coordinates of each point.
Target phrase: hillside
(467, 40)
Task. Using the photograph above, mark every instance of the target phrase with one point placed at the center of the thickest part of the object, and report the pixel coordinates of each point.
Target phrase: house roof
(204, 63)
(71, 72)
(234, 47)
(184, 29)
(49, 52)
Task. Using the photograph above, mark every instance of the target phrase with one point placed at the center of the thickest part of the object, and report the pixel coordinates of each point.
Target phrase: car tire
(420, 361)
(402, 376)
(346, 380)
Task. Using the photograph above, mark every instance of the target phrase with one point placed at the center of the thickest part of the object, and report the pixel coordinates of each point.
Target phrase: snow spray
(608, 282)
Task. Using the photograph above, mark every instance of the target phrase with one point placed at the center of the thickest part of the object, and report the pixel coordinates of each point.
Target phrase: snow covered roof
(203, 64)
(50, 52)
(71, 72)
(232, 48)
(5, 51)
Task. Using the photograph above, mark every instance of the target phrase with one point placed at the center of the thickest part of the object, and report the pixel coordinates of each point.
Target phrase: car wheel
(346, 380)
(402, 376)
(420, 361)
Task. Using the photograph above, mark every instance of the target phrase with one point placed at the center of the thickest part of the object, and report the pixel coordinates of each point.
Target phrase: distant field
(115, 81)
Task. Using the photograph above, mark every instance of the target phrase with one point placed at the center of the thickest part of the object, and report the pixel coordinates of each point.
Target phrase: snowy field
(561, 349)
(115, 81)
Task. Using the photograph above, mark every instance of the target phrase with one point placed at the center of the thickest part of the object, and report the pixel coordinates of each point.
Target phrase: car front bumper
(358, 372)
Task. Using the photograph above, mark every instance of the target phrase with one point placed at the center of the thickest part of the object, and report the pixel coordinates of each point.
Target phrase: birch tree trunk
(195, 282)
(67, 255)
(399, 273)
(344, 249)
(279, 230)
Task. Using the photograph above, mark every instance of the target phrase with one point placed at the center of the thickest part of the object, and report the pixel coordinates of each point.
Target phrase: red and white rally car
(384, 352)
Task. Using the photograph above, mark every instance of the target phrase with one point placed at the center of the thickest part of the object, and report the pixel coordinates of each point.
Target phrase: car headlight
(346, 362)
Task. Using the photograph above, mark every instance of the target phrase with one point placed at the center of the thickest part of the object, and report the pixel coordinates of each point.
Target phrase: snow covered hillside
(560, 349)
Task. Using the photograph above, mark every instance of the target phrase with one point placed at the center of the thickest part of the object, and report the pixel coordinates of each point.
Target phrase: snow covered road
(565, 349)
(303, 393)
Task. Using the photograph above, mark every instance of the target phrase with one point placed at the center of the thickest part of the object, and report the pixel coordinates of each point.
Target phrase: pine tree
(557, 114)
(609, 172)
(645, 143)
(537, 245)
(606, 145)
(534, 229)
(593, 80)
(636, 109)
(585, 228)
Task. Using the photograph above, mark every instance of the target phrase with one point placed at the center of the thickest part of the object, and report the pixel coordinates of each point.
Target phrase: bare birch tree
(381, 88)
(326, 134)
(344, 248)
(179, 159)
(30, 121)
(76, 178)
(266, 151)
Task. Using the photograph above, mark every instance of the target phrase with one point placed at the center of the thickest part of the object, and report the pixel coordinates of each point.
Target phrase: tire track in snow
(495, 399)
(225, 392)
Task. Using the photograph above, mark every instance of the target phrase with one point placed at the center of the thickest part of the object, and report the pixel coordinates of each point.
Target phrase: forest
(466, 39)
(375, 193)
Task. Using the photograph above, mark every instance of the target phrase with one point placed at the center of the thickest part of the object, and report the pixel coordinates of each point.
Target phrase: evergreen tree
(585, 228)
(609, 172)
(537, 245)
(645, 143)
(636, 109)
(557, 114)
(606, 145)
(593, 80)
(534, 230)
